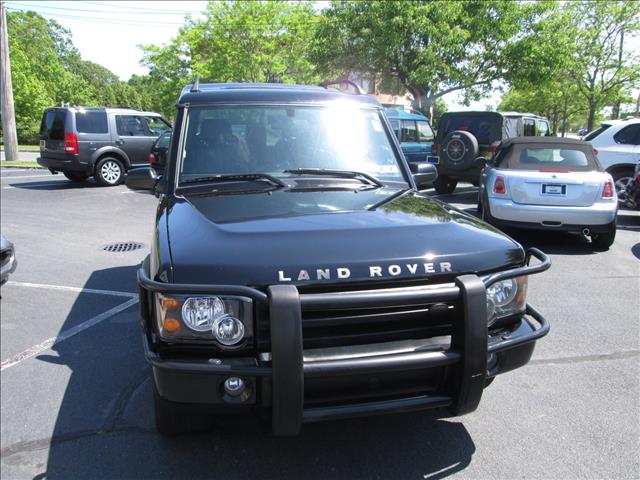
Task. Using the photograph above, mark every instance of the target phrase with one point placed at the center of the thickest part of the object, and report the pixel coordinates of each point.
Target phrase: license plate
(554, 189)
(434, 160)
(42, 143)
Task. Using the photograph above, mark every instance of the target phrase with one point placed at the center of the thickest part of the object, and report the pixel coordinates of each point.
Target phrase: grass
(19, 163)
(28, 148)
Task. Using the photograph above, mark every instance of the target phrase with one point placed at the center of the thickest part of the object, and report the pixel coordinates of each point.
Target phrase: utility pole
(6, 92)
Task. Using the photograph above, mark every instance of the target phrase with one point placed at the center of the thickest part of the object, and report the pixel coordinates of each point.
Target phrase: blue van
(413, 132)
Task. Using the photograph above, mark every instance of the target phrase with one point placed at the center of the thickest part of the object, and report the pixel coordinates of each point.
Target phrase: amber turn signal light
(171, 325)
(169, 303)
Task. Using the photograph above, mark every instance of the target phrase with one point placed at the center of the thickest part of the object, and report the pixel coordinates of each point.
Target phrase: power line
(23, 5)
(108, 21)
(138, 8)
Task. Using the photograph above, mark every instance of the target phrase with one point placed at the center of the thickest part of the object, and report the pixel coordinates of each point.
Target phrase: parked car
(296, 272)
(629, 196)
(617, 143)
(413, 132)
(8, 262)
(463, 137)
(159, 151)
(549, 183)
(100, 142)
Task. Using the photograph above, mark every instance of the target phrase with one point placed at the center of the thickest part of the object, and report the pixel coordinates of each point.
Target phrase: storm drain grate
(122, 247)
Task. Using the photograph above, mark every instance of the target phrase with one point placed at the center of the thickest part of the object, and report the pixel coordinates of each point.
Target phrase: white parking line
(73, 289)
(50, 342)
(11, 177)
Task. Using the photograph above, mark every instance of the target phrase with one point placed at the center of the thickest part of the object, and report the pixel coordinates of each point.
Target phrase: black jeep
(464, 137)
(296, 274)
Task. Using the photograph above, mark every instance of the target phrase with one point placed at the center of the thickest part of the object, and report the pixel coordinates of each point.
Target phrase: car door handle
(119, 142)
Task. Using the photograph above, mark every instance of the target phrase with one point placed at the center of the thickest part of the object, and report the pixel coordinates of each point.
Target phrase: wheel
(109, 172)
(444, 184)
(459, 150)
(76, 176)
(179, 418)
(621, 178)
(602, 241)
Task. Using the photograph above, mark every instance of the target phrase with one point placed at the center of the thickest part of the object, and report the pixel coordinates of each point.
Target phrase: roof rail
(357, 87)
(196, 84)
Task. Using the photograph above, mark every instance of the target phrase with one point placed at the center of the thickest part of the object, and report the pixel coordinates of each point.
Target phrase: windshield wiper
(236, 177)
(364, 177)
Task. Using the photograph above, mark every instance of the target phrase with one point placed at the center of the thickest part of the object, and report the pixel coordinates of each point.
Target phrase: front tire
(444, 184)
(602, 241)
(109, 172)
(621, 178)
(77, 177)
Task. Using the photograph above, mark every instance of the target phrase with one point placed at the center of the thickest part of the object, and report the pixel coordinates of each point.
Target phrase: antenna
(196, 84)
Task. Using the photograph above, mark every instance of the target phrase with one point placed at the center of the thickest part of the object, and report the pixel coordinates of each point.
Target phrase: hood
(306, 238)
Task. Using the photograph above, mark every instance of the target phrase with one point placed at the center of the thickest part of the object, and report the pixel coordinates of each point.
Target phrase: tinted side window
(163, 141)
(425, 134)
(542, 128)
(92, 122)
(156, 125)
(131, 126)
(529, 127)
(628, 135)
(596, 132)
(409, 131)
(395, 124)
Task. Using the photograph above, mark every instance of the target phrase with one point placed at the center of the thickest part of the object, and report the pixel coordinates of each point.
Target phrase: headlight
(205, 319)
(506, 297)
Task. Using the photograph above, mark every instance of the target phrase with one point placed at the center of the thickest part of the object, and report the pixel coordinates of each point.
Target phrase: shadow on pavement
(56, 183)
(104, 426)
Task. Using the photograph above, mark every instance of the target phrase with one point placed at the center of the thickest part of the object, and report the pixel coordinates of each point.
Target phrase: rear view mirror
(423, 173)
(144, 178)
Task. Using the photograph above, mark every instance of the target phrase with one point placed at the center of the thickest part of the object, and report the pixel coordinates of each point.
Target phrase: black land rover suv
(103, 142)
(463, 137)
(297, 274)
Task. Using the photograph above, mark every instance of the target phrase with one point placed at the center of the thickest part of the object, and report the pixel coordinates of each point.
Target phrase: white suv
(617, 145)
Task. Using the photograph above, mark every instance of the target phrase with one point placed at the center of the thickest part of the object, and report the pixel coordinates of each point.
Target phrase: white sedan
(549, 183)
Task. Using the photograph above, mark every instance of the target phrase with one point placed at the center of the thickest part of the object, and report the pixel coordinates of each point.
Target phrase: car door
(410, 143)
(134, 138)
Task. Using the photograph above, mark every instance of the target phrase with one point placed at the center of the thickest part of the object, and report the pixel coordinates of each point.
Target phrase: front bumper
(444, 372)
(550, 216)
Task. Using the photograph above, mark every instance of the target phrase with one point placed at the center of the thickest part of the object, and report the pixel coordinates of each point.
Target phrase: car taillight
(607, 191)
(152, 159)
(493, 148)
(499, 186)
(70, 143)
(434, 149)
(595, 152)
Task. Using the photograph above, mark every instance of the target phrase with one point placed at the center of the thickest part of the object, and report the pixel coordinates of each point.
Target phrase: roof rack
(357, 87)
(196, 84)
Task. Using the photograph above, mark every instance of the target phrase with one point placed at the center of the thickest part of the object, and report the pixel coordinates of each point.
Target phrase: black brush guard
(470, 349)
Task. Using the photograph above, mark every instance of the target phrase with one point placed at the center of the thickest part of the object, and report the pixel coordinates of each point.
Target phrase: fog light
(228, 330)
(234, 386)
(171, 325)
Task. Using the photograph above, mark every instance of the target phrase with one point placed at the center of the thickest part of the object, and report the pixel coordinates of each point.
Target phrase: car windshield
(271, 139)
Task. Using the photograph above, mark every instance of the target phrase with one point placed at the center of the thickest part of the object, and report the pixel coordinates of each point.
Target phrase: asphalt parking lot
(76, 393)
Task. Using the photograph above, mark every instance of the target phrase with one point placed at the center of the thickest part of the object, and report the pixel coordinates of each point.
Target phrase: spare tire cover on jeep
(459, 150)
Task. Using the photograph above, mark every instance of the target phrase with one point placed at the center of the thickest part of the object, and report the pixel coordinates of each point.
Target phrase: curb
(23, 167)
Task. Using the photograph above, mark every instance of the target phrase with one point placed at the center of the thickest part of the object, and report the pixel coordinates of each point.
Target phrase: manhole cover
(122, 247)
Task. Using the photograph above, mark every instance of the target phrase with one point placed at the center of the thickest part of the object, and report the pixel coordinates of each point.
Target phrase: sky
(108, 32)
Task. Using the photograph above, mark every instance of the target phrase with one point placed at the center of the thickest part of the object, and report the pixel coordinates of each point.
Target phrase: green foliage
(46, 70)
(236, 41)
(432, 47)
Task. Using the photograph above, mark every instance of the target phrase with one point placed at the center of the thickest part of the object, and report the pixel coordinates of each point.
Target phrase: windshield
(271, 139)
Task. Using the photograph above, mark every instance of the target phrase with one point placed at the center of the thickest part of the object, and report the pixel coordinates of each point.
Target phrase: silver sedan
(549, 183)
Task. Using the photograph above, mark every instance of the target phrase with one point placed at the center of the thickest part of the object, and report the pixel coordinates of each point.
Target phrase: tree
(236, 41)
(603, 76)
(432, 47)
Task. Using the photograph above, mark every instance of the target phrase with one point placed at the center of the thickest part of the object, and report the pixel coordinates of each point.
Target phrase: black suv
(103, 142)
(463, 137)
(296, 273)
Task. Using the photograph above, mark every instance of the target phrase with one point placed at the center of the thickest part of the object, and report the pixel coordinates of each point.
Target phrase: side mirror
(143, 178)
(480, 162)
(423, 173)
